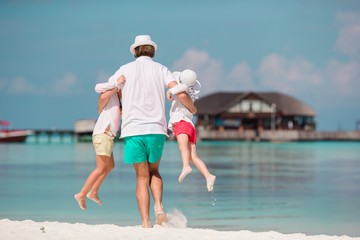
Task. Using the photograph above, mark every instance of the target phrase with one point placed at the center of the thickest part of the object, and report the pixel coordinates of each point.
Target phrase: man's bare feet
(210, 182)
(160, 215)
(94, 198)
(81, 201)
(184, 173)
(146, 224)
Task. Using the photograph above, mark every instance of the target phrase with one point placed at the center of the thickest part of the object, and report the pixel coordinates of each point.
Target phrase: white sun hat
(142, 40)
(186, 82)
(188, 77)
(177, 76)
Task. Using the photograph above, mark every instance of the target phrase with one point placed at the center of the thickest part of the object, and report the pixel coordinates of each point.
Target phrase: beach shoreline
(28, 229)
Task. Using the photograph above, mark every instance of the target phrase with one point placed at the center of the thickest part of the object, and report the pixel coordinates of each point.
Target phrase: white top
(143, 97)
(179, 112)
(111, 112)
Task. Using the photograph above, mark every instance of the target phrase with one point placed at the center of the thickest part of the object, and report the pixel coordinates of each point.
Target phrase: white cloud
(19, 85)
(2, 84)
(65, 84)
(275, 73)
(211, 73)
(295, 75)
(208, 70)
(102, 77)
(289, 75)
(193, 58)
(348, 41)
(344, 77)
(241, 77)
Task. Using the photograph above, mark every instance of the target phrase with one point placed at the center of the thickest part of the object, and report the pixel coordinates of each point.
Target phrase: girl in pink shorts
(181, 124)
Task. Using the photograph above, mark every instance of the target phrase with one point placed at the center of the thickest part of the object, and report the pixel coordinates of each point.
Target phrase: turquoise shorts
(143, 148)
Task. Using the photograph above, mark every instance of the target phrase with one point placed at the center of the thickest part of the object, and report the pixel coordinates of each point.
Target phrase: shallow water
(311, 187)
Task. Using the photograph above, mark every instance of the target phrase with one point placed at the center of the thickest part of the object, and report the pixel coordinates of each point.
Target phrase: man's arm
(185, 99)
(104, 99)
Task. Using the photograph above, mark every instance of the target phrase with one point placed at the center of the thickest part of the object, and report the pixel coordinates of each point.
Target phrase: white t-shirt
(179, 112)
(143, 97)
(111, 112)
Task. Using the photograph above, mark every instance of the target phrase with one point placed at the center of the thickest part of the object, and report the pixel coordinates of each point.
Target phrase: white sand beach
(30, 230)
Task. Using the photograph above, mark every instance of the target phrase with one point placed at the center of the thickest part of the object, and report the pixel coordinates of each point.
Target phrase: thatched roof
(220, 102)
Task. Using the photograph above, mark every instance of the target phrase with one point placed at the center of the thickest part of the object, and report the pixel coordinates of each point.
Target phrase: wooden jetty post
(52, 132)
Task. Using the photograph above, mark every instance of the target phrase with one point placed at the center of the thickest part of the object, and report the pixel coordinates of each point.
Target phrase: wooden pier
(236, 135)
(277, 135)
(52, 132)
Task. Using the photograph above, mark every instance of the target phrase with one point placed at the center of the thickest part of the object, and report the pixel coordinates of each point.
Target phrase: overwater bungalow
(254, 110)
(248, 114)
(83, 129)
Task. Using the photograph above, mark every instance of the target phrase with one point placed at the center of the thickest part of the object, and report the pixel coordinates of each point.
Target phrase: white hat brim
(136, 44)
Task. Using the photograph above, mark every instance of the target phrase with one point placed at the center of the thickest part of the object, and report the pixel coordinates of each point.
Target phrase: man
(144, 125)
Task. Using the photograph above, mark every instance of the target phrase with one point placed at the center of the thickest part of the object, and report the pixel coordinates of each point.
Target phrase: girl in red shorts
(181, 124)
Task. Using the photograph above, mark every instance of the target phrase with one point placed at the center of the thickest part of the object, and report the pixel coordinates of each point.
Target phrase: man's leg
(156, 186)
(142, 192)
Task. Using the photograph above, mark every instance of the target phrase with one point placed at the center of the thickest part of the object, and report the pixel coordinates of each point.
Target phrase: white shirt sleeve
(168, 76)
(103, 87)
(178, 88)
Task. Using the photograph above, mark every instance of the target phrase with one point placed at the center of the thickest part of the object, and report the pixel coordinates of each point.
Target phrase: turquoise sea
(308, 187)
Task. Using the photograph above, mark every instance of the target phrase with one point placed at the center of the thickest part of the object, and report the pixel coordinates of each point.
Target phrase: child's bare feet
(95, 198)
(210, 182)
(81, 201)
(184, 172)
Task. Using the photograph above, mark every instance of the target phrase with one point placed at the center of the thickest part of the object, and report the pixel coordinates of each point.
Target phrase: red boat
(7, 135)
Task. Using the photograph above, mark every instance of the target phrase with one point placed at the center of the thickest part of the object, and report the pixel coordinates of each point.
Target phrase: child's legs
(198, 162)
(101, 169)
(103, 145)
(109, 165)
(183, 141)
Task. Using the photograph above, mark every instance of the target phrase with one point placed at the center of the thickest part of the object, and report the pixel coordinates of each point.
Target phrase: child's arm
(168, 96)
(104, 99)
(103, 87)
(175, 88)
(185, 99)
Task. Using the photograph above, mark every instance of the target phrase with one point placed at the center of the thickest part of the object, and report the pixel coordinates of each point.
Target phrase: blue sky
(52, 53)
